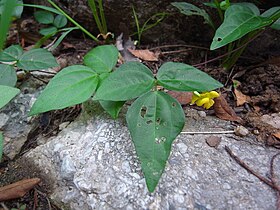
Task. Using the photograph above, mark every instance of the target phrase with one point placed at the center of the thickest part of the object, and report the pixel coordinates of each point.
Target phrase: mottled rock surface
(93, 165)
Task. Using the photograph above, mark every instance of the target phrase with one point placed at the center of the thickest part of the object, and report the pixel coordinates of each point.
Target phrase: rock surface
(15, 123)
(93, 165)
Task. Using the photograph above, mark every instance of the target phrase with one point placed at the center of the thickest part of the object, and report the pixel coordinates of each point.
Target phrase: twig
(178, 45)
(230, 52)
(174, 51)
(4, 206)
(248, 168)
(45, 196)
(272, 182)
(207, 132)
(39, 79)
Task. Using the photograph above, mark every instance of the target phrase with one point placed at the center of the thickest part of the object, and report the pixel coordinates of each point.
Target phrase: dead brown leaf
(224, 111)
(146, 55)
(182, 97)
(17, 189)
(277, 135)
(241, 98)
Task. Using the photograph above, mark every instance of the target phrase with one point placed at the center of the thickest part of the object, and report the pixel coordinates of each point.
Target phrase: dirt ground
(257, 71)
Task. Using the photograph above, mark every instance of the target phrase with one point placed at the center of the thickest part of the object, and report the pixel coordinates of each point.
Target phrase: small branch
(207, 132)
(179, 45)
(249, 169)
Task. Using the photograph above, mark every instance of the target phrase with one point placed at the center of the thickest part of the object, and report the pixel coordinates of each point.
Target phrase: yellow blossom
(204, 99)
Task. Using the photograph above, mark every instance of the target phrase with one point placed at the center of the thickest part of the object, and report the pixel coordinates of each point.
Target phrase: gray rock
(94, 166)
(16, 124)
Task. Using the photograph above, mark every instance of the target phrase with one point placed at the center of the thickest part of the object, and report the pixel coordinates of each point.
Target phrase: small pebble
(241, 131)
(201, 113)
(256, 132)
(213, 141)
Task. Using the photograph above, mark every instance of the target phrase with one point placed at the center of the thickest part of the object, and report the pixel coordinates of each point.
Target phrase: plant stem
(226, 54)
(217, 3)
(8, 8)
(93, 8)
(102, 16)
(73, 21)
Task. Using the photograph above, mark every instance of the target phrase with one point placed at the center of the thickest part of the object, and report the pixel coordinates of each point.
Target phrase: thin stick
(249, 169)
(207, 132)
(179, 45)
(272, 172)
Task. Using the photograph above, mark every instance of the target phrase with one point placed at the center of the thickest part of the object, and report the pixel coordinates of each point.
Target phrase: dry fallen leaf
(182, 97)
(277, 135)
(224, 111)
(146, 55)
(240, 97)
(17, 189)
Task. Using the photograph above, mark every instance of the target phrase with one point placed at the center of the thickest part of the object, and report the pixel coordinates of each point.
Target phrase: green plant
(8, 10)
(56, 23)
(21, 207)
(242, 22)
(155, 19)
(13, 58)
(100, 22)
(59, 11)
(154, 119)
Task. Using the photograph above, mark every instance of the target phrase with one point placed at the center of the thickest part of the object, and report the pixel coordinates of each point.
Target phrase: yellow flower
(204, 99)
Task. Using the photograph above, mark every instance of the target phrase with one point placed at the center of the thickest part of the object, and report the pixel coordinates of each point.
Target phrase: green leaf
(250, 6)
(17, 10)
(72, 85)
(154, 120)
(8, 9)
(6, 94)
(102, 59)
(1, 145)
(62, 36)
(48, 31)
(183, 77)
(8, 76)
(129, 81)
(36, 59)
(11, 53)
(239, 21)
(268, 13)
(190, 9)
(44, 17)
(60, 21)
(112, 107)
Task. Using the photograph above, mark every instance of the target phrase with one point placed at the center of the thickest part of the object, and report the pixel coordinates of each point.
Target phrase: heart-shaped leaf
(112, 107)
(6, 94)
(8, 76)
(154, 121)
(183, 77)
(44, 17)
(271, 11)
(36, 59)
(11, 53)
(102, 59)
(72, 85)
(190, 9)
(60, 21)
(239, 20)
(129, 81)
